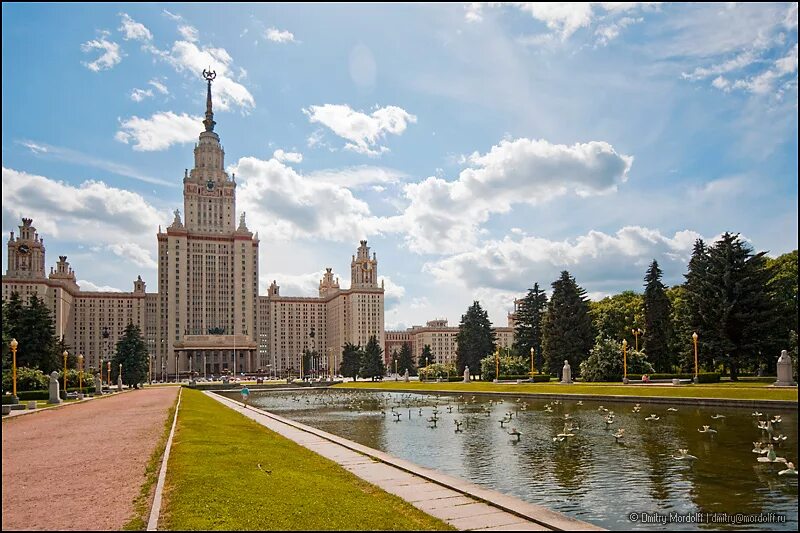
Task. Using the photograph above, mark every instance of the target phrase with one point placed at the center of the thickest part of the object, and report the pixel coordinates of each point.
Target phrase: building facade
(207, 316)
(441, 338)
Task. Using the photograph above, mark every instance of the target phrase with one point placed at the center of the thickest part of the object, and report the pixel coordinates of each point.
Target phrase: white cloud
(607, 33)
(595, 259)
(91, 213)
(285, 204)
(73, 156)
(189, 33)
(137, 95)
(111, 53)
(419, 303)
(91, 287)
(130, 251)
(363, 131)
(291, 157)
(393, 293)
(160, 131)
(186, 56)
(279, 36)
(160, 87)
(303, 285)
(133, 30)
(445, 216)
(358, 176)
(473, 11)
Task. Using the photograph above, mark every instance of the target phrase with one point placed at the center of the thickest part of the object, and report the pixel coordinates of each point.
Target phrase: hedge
(541, 378)
(708, 377)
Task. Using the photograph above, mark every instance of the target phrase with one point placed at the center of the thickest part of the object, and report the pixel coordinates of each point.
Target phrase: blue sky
(478, 147)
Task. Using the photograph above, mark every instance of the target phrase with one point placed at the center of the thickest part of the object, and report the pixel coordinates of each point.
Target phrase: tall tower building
(208, 270)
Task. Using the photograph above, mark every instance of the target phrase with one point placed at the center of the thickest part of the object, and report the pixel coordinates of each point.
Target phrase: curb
(64, 404)
(155, 511)
(687, 400)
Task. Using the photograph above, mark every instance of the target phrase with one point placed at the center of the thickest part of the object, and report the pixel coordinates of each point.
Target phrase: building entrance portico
(216, 354)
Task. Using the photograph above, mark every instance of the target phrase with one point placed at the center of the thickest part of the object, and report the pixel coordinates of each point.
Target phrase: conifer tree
(372, 360)
(351, 361)
(132, 353)
(475, 339)
(567, 329)
(528, 327)
(426, 357)
(656, 320)
(36, 338)
(405, 360)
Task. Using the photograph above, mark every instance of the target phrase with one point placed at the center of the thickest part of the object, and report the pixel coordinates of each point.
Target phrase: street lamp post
(108, 367)
(636, 332)
(14, 345)
(625, 361)
(426, 369)
(696, 371)
(301, 367)
(533, 352)
(119, 377)
(497, 365)
(65, 354)
(80, 373)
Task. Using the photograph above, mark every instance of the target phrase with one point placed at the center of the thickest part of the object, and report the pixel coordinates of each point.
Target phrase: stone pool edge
(536, 514)
(706, 402)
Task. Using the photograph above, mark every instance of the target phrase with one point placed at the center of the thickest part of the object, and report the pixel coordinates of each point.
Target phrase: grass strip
(721, 391)
(226, 472)
(141, 504)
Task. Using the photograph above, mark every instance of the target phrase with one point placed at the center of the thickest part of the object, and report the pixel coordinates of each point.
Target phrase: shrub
(708, 377)
(605, 362)
(438, 370)
(33, 395)
(541, 378)
(511, 367)
(27, 379)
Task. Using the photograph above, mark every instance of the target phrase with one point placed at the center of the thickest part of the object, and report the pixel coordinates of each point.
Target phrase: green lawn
(733, 391)
(227, 472)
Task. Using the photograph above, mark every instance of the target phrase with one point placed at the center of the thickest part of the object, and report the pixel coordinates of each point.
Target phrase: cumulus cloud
(191, 58)
(291, 157)
(595, 259)
(160, 131)
(445, 216)
(133, 30)
(111, 55)
(393, 293)
(363, 131)
(279, 36)
(91, 287)
(91, 213)
(284, 203)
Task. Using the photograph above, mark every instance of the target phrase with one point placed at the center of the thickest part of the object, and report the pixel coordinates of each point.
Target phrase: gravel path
(80, 467)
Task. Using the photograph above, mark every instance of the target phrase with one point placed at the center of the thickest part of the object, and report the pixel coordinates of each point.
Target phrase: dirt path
(80, 467)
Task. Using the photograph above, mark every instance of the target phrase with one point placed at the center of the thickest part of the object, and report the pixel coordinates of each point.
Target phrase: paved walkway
(455, 501)
(80, 467)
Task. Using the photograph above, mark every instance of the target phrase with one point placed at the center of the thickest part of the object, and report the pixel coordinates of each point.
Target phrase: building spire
(209, 76)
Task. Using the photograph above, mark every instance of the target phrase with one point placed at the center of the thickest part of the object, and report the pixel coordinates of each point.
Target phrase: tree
(372, 360)
(475, 339)
(735, 306)
(528, 327)
(35, 333)
(406, 360)
(132, 354)
(680, 340)
(697, 300)
(656, 320)
(783, 293)
(426, 357)
(351, 361)
(617, 316)
(567, 331)
(12, 316)
(605, 362)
